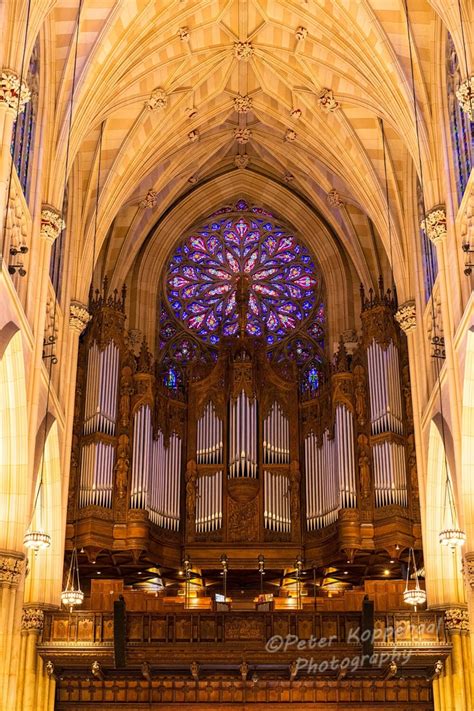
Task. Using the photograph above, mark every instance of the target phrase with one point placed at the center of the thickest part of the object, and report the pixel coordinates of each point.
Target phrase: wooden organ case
(243, 478)
(243, 463)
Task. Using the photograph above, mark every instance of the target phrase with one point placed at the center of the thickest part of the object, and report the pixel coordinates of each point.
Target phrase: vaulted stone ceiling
(292, 90)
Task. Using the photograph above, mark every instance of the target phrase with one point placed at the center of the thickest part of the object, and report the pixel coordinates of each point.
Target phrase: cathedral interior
(236, 355)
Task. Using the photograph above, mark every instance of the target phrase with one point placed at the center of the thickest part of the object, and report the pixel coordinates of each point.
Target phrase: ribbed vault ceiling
(239, 85)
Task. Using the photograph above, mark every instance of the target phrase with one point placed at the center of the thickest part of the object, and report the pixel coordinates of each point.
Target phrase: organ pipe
(276, 437)
(97, 469)
(384, 389)
(276, 502)
(344, 434)
(209, 437)
(322, 486)
(243, 437)
(164, 482)
(100, 410)
(209, 502)
(390, 474)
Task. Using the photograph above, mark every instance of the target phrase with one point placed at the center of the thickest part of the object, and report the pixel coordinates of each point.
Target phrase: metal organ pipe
(243, 454)
(276, 502)
(209, 502)
(345, 456)
(276, 445)
(97, 473)
(322, 486)
(386, 417)
(100, 410)
(164, 482)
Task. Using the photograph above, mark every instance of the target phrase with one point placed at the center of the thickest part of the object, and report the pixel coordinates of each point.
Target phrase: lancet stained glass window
(242, 253)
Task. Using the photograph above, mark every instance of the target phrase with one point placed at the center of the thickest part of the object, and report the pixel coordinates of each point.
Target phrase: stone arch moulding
(340, 274)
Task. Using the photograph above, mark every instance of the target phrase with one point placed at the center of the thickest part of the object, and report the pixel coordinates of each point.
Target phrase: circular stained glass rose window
(247, 246)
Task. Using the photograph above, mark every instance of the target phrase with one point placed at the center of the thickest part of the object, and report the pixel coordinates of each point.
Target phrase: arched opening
(442, 565)
(43, 583)
(13, 441)
(468, 440)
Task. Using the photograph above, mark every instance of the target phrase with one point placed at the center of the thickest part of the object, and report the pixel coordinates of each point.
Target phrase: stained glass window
(462, 129)
(428, 251)
(243, 253)
(24, 127)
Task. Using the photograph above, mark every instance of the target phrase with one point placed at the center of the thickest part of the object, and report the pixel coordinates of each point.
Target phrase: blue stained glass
(280, 286)
(171, 380)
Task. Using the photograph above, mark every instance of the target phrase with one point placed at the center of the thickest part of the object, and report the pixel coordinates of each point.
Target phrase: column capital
(32, 619)
(11, 95)
(52, 223)
(456, 619)
(79, 316)
(465, 96)
(406, 316)
(11, 568)
(435, 224)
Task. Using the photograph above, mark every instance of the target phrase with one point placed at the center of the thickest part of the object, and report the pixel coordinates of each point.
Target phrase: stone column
(12, 100)
(11, 576)
(457, 686)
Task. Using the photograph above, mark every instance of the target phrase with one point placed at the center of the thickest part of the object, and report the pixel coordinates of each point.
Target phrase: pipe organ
(276, 437)
(209, 502)
(243, 457)
(209, 437)
(243, 436)
(322, 485)
(277, 512)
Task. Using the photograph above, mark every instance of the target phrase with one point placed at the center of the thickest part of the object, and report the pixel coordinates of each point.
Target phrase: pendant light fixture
(72, 595)
(416, 595)
(451, 535)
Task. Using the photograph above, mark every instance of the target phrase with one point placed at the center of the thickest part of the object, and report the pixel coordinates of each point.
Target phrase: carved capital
(406, 316)
(79, 316)
(456, 619)
(465, 96)
(11, 568)
(435, 224)
(32, 619)
(14, 97)
(52, 223)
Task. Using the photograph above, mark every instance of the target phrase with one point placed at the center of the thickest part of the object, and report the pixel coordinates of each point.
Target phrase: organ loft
(236, 355)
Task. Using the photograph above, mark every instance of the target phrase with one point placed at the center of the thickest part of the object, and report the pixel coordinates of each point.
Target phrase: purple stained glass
(206, 270)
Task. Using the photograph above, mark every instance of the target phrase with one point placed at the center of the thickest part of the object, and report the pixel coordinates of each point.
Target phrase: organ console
(242, 456)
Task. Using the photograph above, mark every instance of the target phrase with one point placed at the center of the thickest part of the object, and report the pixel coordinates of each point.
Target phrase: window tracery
(242, 269)
(462, 129)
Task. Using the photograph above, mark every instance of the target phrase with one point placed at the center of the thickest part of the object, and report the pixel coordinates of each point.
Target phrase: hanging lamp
(416, 595)
(451, 535)
(72, 594)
